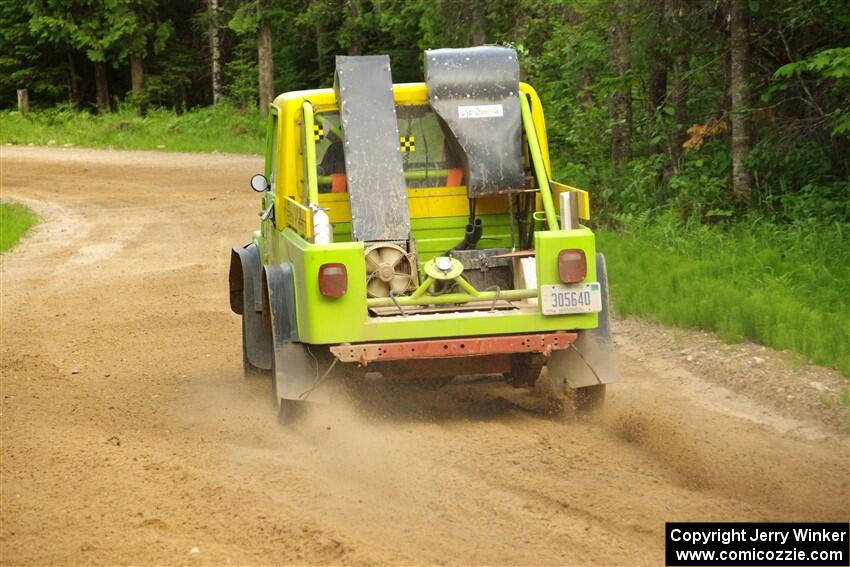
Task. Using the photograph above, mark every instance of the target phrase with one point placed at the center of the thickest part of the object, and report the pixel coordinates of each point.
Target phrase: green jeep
(414, 230)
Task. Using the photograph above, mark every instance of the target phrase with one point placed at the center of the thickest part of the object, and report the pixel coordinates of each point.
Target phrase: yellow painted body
(424, 202)
(438, 217)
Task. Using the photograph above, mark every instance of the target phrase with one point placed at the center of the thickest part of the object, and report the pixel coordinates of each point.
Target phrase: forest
(717, 130)
(709, 107)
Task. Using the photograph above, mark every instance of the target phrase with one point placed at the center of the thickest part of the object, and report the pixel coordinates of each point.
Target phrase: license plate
(562, 299)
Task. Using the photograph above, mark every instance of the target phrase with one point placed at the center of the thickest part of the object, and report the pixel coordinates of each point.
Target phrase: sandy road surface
(130, 436)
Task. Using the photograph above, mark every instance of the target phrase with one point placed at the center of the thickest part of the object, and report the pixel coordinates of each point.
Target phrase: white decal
(480, 111)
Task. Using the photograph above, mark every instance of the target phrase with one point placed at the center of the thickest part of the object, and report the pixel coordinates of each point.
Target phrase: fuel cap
(443, 268)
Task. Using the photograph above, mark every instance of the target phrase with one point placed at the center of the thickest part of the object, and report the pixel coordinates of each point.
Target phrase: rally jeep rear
(415, 230)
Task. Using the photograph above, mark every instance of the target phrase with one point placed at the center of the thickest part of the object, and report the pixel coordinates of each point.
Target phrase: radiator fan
(388, 268)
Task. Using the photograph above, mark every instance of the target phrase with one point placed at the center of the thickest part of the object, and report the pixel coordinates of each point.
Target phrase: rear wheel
(525, 369)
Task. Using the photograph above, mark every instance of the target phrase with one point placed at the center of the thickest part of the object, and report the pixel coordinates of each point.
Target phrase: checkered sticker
(408, 143)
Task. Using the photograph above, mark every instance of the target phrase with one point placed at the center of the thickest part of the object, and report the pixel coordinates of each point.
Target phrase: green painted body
(324, 320)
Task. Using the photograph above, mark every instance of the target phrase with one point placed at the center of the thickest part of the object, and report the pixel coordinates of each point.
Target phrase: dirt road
(130, 436)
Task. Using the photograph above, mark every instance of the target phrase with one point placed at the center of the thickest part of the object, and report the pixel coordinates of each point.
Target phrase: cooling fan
(388, 268)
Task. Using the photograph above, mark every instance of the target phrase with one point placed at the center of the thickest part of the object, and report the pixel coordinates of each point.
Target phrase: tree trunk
(679, 94)
(73, 83)
(657, 87)
(264, 59)
(657, 83)
(137, 82)
(621, 98)
(739, 53)
(355, 44)
(137, 78)
(478, 24)
(215, 50)
(183, 104)
(102, 87)
(23, 101)
(657, 60)
(319, 30)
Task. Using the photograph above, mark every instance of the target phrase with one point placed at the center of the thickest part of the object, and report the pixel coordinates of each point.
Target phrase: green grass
(221, 128)
(786, 287)
(15, 220)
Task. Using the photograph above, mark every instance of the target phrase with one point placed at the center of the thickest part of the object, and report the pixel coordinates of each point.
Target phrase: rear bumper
(365, 353)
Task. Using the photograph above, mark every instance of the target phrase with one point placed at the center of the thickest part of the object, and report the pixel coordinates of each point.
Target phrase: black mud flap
(590, 360)
(475, 90)
(246, 299)
(374, 169)
(296, 371)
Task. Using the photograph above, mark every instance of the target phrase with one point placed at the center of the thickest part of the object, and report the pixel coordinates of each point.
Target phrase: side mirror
(259, 183)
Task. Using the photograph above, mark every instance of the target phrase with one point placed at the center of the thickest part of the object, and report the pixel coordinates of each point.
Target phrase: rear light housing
(333, 280)
(572, 265)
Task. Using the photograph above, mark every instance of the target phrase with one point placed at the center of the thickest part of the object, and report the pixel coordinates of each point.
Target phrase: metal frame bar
(325, 123)
(425, 286)
(467, 287)
(455, 347)
(310, 155)
(507, 295)
(272, 136)
(537, 161)
(419, 297)
(411, 175)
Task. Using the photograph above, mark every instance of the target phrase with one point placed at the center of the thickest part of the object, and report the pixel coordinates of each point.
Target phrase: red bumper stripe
(447, 348)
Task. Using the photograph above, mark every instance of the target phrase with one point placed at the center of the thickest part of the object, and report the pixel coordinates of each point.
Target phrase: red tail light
(572, 265)
(333, 280)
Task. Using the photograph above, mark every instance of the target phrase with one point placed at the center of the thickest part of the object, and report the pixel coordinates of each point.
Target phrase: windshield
(430, 159)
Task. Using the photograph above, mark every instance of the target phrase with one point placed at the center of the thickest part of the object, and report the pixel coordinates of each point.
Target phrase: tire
(588, 400)
(525, 369)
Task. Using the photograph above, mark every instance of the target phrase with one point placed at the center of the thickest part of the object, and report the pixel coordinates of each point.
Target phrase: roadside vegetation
(221, 128)
(15, 220)
(785, 286)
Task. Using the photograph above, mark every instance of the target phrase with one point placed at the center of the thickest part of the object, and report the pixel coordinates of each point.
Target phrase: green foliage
(222, 128)
(173, 74)
(15, 220)
(785, 286)
(100, 29)
(832, 69)
(800, 143)
(26, 61)
(244, 19)
(240, 74)
(803, 181)
(829, 63)
(240, 70)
